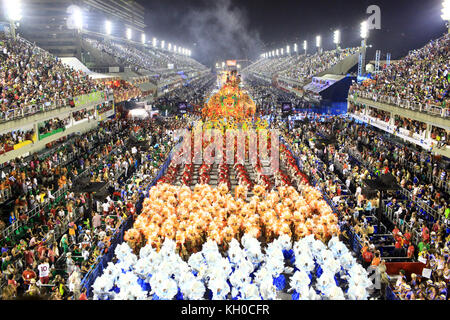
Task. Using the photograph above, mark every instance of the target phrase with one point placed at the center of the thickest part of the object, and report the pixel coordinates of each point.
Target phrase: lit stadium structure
(98, 115)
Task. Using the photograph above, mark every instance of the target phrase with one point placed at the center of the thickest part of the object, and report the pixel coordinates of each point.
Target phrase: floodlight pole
(12, 24)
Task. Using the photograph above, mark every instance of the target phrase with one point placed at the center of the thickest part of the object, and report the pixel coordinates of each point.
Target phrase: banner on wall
(92, 98)
(231, 63)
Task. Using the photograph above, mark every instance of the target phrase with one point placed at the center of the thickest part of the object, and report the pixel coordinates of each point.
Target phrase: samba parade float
(231, 231)
(230, 102)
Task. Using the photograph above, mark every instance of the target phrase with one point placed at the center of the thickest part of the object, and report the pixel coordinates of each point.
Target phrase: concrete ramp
(319, 84)
(343, 66)
(77, 65)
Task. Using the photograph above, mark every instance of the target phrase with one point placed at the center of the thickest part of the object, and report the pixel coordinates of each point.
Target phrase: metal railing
(420, 203)
(11, 229)
(403, 103)
(33, 212)
(32, 109)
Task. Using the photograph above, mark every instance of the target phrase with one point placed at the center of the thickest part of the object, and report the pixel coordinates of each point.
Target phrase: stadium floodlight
(190, 52)
(13, 9)
(337, 37)
(282, 51)
(170, 47)
(238, 66)
(154, 42)
(288, 49)
(446, 12)
(364, 30)
(278, 53)
(273, 53)
(318, 41)
(223, 65)
(77, 16)
(175, 48)
(129, 33)
(305, 45)
(108, 27)
(143, 38)
(163, 44)
(295, 47)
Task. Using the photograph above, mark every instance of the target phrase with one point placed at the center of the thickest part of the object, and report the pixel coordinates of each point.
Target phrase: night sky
(216, 30)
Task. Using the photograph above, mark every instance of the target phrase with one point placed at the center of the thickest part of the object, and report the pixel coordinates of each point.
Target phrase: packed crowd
(151, 59)
(421, 79)
(430, 246)
(268, 98)
(31, 76)
(9, 139)
(52, 125)
(406, 126)
(300, 68)
(193, 94)
(59, 246)
(317, 63)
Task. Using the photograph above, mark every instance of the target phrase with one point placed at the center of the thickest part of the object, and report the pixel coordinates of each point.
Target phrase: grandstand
(415, 89)
(130, 171)
(296, 72)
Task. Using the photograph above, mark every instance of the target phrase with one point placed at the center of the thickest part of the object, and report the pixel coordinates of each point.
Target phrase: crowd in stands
(317, 63)
(363, 152)
(53, 251)
(123, 90)
(422, 78)
(82, 114)
(9, 139)
(432, 246)
(52, 125)
(409, 127)
(194, 93)
(150, 59)
(266, 96)
(300, 68)
(31, 76)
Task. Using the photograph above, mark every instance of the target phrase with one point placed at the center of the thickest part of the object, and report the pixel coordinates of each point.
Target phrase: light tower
(108, 27)
(337, 39)
(362, 55)
(319, 44)
(446, 13)
(305, 46)
(13, 9)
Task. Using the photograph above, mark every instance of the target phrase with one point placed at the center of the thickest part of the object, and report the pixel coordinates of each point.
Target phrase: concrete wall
(436, 121)
(40, 145)
(41, 117)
